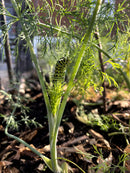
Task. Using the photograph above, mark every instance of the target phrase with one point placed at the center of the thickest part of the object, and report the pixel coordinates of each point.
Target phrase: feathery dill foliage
(15, 103)
(54, 48)
(58, 81)
(88, 73)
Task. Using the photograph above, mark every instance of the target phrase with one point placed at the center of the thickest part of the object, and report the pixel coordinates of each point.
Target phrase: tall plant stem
(76, 66)
(34, 59)
(78, 61)
(56, 168)
(97, 36)
(51, 120)
(74, 72)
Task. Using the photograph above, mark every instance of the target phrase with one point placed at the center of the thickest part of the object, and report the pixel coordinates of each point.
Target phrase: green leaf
(65, 165)
(47, 162)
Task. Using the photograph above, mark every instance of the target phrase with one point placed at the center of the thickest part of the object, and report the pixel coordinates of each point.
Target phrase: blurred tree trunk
(6, 44)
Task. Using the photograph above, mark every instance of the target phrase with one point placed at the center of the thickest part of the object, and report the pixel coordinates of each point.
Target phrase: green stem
(53, 150)
(23, 142)
(70, 84)
(53, 28)
(117, 133)
(76, 67)
(46, 160)
(15, 6)
(51, 120)
(34, 59)
(77, 63)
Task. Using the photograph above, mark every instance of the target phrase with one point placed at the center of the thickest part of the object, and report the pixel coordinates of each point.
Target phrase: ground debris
(75, 140)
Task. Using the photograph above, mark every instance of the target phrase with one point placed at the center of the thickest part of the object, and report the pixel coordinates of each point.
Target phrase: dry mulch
(76, 139)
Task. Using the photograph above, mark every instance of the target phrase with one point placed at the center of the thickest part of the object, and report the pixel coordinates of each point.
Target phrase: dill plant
(88, 73)
(14, 103)
(30, 24)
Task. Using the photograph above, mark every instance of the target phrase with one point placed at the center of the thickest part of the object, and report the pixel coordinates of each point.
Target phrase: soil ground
(85, 137)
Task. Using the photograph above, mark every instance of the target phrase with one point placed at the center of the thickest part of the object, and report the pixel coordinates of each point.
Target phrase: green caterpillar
(59, 73)
(56, 91)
